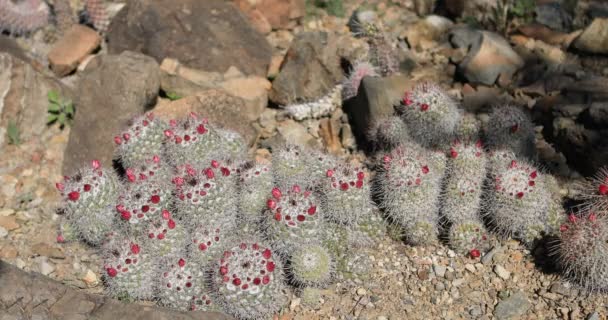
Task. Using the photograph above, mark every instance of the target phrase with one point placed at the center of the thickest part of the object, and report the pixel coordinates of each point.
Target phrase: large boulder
(112, 91)
(209, 35)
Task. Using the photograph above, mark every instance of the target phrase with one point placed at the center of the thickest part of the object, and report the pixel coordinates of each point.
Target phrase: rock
(512, 307)
(90, 278)
(375, 100)
(596, 116)
(502, 272)
(257, 18)
(439, 270)
(295, 133)
(361, 292)
(278, 13)
(9, 223)
(121, 87)
(490, 56)
(253, 90)
(487, 258)
(594, 38)
(547, 35)
(23, 98)
(210, 35)
(31, 293)
(593, 316)
(45, 267)
(553, 15)
(311, 67)
(3, 232)
(425, 32)
(72, 48)
(44, 249)
(218, 106)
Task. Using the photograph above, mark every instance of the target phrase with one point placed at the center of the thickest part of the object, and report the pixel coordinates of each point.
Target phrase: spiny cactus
(88, 197)
(294, 216)
(141, 202)
(410, 188)
(311, 266)
(583, 249)
(248, 281)
(319, 108)
(97, 14)
(360, 70)
(208, 239)
(388, 132)
(346, 191)
(430, 115)
(520, 202)
(462, 199)
(142, 140)
(153, 169)
(294, 164)
(64, 15)
(255, 183)
(23, 16)
(182, 286)
(311, 297)
(129, 269)
(468, 129)
(512, 129)
(66, 232)
(594, 190)
(164, 236)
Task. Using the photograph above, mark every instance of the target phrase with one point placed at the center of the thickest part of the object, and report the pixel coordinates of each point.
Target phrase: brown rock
(8, 252)
(548, 35)
(280, 12)
(72, 48)
(594, 38)
(257, 19)
(329, 131)
(9, 223)
(44, 249)
(254, 90)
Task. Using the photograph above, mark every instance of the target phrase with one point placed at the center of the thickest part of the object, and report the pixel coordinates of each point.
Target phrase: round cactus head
(468, 128)
(182, 286)
(594, 190)
(346, 189)
(209, 239)
(248, 281)
(469, 237)
(430, 114)
(289, 164)
(361, 69)
(311, 266)
(387, 133)
(142, 140)
(192, 140)
(154, 168)
(511, 128)
(142, 202)
(583, 249)
(255, 182)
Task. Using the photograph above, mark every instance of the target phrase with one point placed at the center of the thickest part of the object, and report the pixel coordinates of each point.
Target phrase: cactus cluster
(194, 224)
(511, 128)
(359, 70)
(23, 16)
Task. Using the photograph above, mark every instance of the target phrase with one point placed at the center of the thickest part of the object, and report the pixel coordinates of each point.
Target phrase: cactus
(293, 164)
(294, 215)
(410, 188)
(154, 169)
(311, 297)
(255, 182)
(388, 132)
(208, 239)
(583, 249)
(311, 266)
(248, 281)
(462, 200)
(468, 129)
(64, 15)
(142, 140)
(510, 128)
(67, 231)
(360, 70)
(319, 108)
(23, 16)
(97, 14)
(346, 191)
(164, 236)
(520, 201)
(129, 269)
(594, 190)
(88, 197)
(182, 286)
(430, 115)
(142, 202)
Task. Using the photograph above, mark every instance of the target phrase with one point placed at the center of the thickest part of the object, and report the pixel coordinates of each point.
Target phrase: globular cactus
(97, 14)
(88, 197)
(155, 168)
(182, 286)
(388, 132)
(66, 232)
(165, 236)
(311, 265)
(23, 16)
(129, 269)
(360, 70)
(410, 189)
(370, 229)
(430, 115)
(381, 52)
(311, 297)
(294, 164)
(142, 140)
(247, 281)
(294, 216)
(64, 15)
(255, 182)
(583, 249)
(594, 191)
(206, 192)
(512, 129)
(319, 108)
(141, 202)
(468, 129)
(208, 239)
(346, 192)
(462, 198)
(520, 201)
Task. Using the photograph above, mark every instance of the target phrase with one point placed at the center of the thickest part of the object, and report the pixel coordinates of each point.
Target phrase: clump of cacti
(97, 15)
(511, 128)
(23, 16)
(255, 182)
(129, 268)
(182, 286)
(142, 140)
(430, 114)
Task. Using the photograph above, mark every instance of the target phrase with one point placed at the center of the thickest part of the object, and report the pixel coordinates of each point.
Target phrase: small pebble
(502, 272)
(361, 291)
(3, 232)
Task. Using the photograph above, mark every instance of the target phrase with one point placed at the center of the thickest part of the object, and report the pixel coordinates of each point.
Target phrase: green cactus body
(383, 55)
(594, 190)
(129, 269)
(255, 184)
(311, 297)
(370, 229)
(346, 190)
(141, 141)
(410, 190)
(209, 239)
(293, 216)
(289, 164)
(155, 168)
(233, 146)
(311, 266)
(388, 133)
(192, 141)
(468, 129)
(182, 286)
(583, 250)
(512, 129)
(361, 69)
(142, 202)
(164, 237)
(67, 232)
(248, 281)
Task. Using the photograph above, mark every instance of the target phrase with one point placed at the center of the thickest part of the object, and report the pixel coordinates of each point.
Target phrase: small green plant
(173, 96)
(523, 9)
(333, 7)
(14, 136)
(60, 110)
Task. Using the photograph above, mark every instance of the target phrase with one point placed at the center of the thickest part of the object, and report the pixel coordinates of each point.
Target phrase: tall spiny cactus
(594, 190)
(510, 128)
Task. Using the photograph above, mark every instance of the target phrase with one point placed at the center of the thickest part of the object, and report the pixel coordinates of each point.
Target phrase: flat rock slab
(26, 295)
(78, 42)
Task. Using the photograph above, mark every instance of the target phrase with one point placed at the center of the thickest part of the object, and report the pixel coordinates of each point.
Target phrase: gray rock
(598, 115)
(119, 88)
(359, 18)
(502, 272)
(209, 35)
(512, 307)
(32, 296)
(594, 38)
(593, 316)
(376, 99)
(295, 133)
(487, 258)
(311, 68)
(553, 15)
(439, 270)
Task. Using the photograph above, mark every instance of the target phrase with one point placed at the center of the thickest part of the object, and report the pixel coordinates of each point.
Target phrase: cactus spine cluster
(511, 128)
(23, 16)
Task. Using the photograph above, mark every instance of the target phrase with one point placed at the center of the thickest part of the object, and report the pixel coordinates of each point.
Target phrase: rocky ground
(554, 61)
